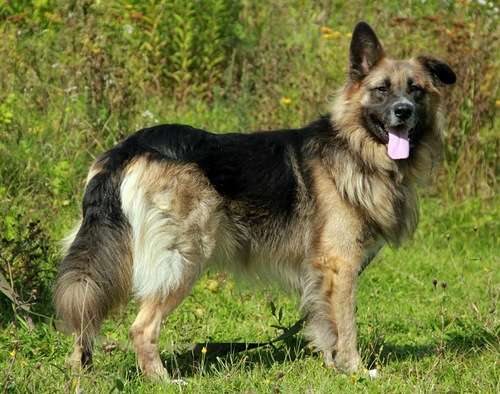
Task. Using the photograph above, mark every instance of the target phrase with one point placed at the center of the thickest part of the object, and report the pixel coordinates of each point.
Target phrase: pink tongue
(398, 146)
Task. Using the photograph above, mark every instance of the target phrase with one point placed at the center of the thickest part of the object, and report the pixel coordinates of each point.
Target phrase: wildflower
(326, 30)
(348, 35)
(212, 285)
(147, 114)
(53, 17)
(12, 353)
(285, 101)
(199, 312)
(129, 29)
(332, 36)
(497, 103)
(204, 350)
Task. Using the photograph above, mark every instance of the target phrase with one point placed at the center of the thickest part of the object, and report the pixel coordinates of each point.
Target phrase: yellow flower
(204, 350)
(326, 30)
(199, 312)
(348, 35)
(53, 17)
(332, 36)
(212, 285)
(285, 101)
(13, 353)
(497, 103)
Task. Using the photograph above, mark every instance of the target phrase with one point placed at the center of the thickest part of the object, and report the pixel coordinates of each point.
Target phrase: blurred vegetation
(77, 76)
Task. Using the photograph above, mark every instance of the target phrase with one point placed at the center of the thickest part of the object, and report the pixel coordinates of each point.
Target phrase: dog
(309, 207)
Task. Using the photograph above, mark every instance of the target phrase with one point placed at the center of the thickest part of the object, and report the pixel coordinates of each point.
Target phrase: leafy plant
(26, 258)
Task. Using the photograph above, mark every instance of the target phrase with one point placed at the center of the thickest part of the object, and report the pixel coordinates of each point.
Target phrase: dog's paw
(328, 360)
(73, 364)
(347, 363)
(156, 373)
(78, 360)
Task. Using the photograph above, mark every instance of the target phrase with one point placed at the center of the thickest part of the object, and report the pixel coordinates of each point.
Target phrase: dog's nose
(403, 110)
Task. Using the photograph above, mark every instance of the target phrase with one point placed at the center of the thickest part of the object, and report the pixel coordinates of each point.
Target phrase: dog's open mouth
(382, 134)
(397, 139)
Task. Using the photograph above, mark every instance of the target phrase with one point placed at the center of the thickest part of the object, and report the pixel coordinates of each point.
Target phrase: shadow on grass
(212, 357)
(384, 353)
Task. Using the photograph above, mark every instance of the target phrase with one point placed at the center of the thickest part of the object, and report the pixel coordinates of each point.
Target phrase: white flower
(147, 114)
(129, 29)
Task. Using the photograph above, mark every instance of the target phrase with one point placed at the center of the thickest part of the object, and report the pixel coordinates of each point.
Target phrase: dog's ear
(365, 51)
(438, 69)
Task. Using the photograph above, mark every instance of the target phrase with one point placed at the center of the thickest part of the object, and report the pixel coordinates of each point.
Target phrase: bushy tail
(94, 275)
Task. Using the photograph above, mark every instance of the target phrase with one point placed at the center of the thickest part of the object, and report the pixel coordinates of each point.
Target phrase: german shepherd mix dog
(310, 207)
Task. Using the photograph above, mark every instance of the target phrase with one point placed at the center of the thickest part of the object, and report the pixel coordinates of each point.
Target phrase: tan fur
(339, 253)
(94, 169)
(174, 214)
(145, 330)
(389, 183)
(382, 191)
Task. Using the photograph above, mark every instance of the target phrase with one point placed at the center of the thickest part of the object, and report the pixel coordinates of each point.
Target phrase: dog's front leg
(333, 323)
(344, 275)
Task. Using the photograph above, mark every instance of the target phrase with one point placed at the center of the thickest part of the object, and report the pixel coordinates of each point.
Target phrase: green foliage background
(77, 76)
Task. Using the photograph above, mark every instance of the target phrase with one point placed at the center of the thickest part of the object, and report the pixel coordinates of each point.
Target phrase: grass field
(77, 76)
(427, 315)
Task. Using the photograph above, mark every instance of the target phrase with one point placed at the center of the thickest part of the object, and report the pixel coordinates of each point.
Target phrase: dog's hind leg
(174, 215)
(162, 279)
(145, 330)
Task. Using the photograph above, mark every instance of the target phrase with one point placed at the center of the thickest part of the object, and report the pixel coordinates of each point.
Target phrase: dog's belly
(280, 259)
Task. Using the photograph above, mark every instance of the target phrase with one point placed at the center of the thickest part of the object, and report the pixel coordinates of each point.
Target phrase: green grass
(427, 316)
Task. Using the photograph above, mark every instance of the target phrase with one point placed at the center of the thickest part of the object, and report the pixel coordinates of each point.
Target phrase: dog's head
(397, 99)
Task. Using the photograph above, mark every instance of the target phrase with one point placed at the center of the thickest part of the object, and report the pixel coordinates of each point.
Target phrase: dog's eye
(417, 89)
(380, 91)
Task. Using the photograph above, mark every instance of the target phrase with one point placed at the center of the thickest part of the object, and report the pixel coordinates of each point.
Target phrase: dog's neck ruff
(367, 178)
